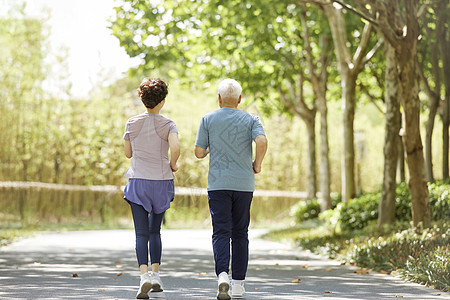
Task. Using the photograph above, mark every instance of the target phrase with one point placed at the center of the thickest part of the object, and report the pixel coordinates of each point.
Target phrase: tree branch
(355, 11)
(371, 98)
(359, 53)
(372, 52)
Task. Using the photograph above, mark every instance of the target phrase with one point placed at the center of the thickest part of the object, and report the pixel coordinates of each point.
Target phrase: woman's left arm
(128, 150)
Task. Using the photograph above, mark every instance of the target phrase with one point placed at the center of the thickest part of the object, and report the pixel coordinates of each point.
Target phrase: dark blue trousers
(230, 214)
(148, 231)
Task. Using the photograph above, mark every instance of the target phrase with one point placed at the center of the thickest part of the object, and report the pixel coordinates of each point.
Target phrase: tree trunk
(434, 103)
(311, 188)
(413, 142)
(401, 177)
(386, 210)
(325, 181)
(348, 77)
(348, 158)
(444, 46)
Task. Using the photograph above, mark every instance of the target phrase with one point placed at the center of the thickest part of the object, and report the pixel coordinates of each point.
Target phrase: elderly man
(227, 135)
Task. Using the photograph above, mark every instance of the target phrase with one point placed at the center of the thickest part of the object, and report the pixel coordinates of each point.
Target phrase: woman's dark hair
(152, 92)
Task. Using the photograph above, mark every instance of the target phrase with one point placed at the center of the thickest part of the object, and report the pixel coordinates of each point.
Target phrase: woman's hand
(174, 167)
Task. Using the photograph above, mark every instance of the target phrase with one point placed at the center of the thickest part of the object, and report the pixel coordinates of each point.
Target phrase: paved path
(42, 267)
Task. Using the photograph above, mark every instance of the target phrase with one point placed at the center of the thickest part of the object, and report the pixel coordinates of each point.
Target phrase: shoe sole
(156, 287)
(144, 291)
(223, 291)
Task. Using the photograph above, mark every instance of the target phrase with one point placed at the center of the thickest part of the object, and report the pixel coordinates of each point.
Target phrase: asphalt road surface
(102, 265)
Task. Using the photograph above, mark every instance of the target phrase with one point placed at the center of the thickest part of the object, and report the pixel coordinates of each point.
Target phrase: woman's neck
(153, 110)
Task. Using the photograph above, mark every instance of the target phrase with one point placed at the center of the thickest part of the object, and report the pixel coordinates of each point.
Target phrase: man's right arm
(261, 149)
(200, 152)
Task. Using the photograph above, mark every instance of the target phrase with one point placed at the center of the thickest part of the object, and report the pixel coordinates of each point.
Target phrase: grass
(420, 257)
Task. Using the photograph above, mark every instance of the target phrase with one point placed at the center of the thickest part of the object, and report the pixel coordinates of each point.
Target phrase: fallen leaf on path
(256, 289)
(306, 266)
(398, 296)
(74, 275)
(113, 279)
(202, 273)
(329, 269)
(118, 262)
(296, 280)
(277, 264)
(362, 271)
(119, 274)
(101, 290)
(384, 272)
(327, 292)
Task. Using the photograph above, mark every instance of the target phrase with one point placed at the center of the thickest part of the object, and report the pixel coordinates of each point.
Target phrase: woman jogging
(150, 188)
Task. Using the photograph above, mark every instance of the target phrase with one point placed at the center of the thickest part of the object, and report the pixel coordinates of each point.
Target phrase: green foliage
(439, 200)
(420, 257)
(357, 213)
(432, 268)
(361, 211)
(304, 210)
(310, 209)
(261, 44)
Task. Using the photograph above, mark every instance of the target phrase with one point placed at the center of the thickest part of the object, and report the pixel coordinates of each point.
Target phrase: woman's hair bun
(152, 92)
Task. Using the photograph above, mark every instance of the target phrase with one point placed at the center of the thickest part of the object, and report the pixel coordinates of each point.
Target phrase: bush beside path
(102, 265)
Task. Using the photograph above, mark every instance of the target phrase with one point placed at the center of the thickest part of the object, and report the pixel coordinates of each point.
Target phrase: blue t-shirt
(229, 133)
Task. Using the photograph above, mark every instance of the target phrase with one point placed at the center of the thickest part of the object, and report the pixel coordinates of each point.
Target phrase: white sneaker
(223, 292)
(156, 282)
(237, 289)
(144, 287)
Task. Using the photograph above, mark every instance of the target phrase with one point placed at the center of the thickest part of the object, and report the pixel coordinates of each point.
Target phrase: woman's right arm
(128, 150)
(174, 146)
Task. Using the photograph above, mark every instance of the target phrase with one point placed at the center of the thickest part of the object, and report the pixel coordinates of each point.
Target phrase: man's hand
(256, 168)
(261, 148)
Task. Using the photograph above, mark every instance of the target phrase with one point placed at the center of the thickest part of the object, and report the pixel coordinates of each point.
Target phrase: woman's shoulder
(164, 120)
(137, 118)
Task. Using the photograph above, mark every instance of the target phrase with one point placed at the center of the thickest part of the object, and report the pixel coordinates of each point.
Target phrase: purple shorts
(154, 195)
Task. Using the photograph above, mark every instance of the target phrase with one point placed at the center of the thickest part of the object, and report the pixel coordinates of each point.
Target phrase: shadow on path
(43, 267)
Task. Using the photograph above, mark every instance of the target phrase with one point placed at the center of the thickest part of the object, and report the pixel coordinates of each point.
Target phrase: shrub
(421, 257)
(357, 213)
(439, 201)
(402, 203)
(310, 209)
(305, 210)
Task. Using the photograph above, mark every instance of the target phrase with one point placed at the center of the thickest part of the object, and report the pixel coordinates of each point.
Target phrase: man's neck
(228, 106)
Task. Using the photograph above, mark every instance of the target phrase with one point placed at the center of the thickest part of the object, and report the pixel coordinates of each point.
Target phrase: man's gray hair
(229, 89)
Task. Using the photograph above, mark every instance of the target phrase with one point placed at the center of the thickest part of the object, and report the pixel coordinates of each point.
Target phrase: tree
(397, 22)
(21, 76)
(349, 67)
(431, 69)
(443, 36)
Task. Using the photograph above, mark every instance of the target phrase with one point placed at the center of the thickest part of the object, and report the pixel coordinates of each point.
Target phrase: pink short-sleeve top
(149, 134)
